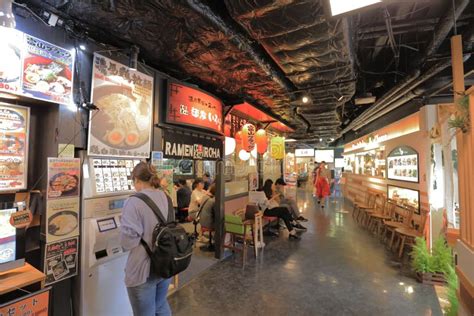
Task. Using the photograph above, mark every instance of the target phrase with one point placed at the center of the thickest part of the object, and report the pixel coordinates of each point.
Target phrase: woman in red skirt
(322, 183)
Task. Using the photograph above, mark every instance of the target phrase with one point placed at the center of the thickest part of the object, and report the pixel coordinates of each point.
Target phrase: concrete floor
(336, 269)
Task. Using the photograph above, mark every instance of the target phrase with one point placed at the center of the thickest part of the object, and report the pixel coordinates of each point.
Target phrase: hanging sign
(277, 148)
(193, 107)
(403, 164)
(123, 126)
(304, 152)
(36, 303)
(60, 260)
(248, 137)
(180, 146)
(14, 126)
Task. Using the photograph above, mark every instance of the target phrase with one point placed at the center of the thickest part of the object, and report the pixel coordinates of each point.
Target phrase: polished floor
(336, 269)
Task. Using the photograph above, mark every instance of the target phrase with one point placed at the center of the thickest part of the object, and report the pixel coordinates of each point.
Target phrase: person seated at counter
(207, 181)
(183, 197)
(287, 202)
(273, 209)
(197, 197)
(207, 214)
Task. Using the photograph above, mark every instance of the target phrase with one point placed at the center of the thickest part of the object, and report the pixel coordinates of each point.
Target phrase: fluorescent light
(365, 100)
(290, 140)
(344, 6)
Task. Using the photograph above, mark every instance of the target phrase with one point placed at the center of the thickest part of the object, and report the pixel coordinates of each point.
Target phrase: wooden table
(15, 279)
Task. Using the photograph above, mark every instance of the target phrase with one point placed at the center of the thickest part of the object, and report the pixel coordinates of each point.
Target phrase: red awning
(249, 111)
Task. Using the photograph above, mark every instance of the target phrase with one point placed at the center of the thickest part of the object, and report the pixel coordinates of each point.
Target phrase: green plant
(453, 285)
(460, 120)
(442, 256)
(422, 259)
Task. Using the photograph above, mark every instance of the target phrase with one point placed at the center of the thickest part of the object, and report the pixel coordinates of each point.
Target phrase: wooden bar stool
(236, 228)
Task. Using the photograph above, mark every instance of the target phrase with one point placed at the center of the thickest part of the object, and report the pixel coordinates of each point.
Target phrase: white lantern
(229, 146)
(244, 155)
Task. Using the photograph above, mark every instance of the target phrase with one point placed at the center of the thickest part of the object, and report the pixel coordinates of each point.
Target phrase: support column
(465, 145)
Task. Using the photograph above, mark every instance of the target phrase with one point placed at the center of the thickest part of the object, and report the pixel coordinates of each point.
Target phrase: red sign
(33, 304)
(192, 107)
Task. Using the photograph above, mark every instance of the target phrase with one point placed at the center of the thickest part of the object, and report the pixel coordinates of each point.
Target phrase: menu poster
(47, 71)
(123, 126)
(403, 164)
(61, 260)
(10, 64)
(14, 127)
(253, 181)
(32, 304)
(113, 175)
(63, 177)
(62, 219)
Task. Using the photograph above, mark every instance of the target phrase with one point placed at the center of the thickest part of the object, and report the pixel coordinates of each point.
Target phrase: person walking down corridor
(322, 183)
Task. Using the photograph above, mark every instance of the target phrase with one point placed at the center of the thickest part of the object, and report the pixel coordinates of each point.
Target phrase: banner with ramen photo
(122, 126)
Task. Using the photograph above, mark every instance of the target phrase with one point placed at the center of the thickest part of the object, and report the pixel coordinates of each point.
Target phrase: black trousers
(280, 212)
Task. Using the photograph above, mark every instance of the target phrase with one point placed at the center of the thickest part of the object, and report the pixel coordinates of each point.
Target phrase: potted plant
(427, 265)
(453, 285)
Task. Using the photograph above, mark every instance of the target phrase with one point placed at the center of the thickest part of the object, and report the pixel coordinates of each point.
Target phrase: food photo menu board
(14, 127)
(113, 175)
(403, 164)
(60, 260)
(404, 196)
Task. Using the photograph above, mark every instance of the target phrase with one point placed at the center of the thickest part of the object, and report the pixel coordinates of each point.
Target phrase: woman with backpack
(147, 292)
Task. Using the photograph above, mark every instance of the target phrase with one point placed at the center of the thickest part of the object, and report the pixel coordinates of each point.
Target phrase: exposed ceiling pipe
(245, 44)
(303, 119)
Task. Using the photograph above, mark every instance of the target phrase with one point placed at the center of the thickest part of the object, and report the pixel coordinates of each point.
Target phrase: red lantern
(238, 137)
(227, 130)
(261, 141)
(248, 137)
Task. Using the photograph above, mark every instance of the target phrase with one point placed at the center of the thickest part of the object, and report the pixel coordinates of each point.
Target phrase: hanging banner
(34, 304)
(60, 260)
(14, 127)
(11, 47)
(193, 107)
(123, 126)
(47, 71)
(180, 146)
(277, 148)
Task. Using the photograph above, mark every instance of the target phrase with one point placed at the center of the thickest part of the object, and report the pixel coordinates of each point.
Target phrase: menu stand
(18, 278)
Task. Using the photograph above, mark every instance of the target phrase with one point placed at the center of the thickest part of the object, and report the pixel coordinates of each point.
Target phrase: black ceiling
(272, 52)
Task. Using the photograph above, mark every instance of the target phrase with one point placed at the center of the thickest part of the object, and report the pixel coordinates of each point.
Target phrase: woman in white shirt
(196, 197)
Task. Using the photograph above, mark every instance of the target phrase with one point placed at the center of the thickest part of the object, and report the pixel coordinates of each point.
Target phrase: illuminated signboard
(304, 152)
(193, 107)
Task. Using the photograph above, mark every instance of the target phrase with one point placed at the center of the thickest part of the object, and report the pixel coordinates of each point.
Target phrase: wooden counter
(15, 279)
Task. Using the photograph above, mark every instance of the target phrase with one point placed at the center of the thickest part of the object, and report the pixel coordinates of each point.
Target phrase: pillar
(465, 145)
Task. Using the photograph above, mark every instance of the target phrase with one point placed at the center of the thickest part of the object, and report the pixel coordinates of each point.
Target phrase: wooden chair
(364, 200)
(376, 219)
(407, 235)
(402, 218)
(379, 204)
(364, 207)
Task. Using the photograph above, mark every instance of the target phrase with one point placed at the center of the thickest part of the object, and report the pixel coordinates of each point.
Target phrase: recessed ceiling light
(344, 6)
(305, 99)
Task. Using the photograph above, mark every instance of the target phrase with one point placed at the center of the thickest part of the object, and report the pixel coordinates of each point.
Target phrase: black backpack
(172, 246)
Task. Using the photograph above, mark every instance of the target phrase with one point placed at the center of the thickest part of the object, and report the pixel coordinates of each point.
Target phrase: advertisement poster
(11, 47)
(47, 71)
(34, 304)
(62, 219)
(63, 177)
(253, 181)
(122, 127)
(156, 158)
(14, 126)
(193, 107)
(60, 260)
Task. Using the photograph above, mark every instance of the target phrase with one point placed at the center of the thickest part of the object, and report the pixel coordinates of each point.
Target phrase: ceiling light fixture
(305, 99)
(344, 6)
(7, 19)
(320, 140)
(340, 98)
(290, 140)
(133, 58)
(82, 47)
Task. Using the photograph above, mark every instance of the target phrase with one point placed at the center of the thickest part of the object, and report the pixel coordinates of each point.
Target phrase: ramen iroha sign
(180, 146)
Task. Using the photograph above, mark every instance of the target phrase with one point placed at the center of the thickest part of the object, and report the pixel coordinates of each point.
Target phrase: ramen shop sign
(193, 107)
(180, 146)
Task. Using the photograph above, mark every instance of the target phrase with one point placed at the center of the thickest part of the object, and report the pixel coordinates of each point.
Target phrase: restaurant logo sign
(193, 107)
(180, 146)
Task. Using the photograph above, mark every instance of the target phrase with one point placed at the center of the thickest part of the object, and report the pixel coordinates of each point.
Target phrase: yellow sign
(278, 147)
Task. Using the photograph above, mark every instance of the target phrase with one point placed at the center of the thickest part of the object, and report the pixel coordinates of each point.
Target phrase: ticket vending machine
(100, 288)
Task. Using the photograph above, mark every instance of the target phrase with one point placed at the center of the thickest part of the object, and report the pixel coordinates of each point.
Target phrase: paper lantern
(238, 137)
(227, 130)
(261, 141)
(278, 147)
(229, 146)
(248, 137)
(244, 155)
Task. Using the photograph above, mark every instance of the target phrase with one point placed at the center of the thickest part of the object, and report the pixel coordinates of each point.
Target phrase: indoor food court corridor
(337, 268)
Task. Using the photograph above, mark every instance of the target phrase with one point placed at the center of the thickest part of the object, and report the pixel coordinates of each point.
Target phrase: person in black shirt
(183, 197)
(207, 181)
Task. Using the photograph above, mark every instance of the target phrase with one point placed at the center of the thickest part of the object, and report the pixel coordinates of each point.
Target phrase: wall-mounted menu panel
(113, 175)
(403, 164)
